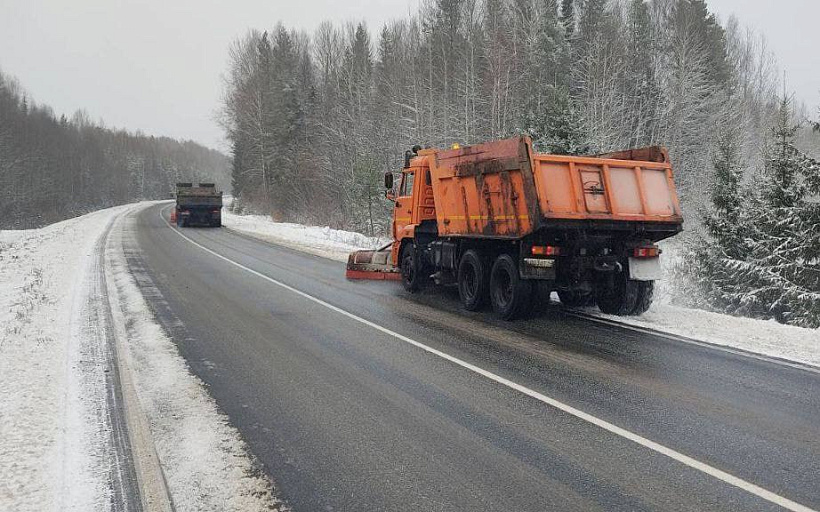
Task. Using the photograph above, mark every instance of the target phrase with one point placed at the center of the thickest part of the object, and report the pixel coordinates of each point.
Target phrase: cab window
(407, 184)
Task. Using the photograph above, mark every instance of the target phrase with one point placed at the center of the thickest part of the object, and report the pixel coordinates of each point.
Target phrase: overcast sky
(156, 65)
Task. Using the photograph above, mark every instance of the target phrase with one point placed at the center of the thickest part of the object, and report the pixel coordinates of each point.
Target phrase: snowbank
(763, 337)
(56, 420)
(766, 337)
(50, 453)
(329, 243)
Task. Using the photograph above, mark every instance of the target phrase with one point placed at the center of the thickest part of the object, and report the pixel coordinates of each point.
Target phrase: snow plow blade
(374, 265)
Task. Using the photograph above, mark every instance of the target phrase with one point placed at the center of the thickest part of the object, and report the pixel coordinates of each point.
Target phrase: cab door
(403, 212)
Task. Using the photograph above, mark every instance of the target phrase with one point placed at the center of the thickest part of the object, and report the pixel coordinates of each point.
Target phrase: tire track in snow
(94, 393)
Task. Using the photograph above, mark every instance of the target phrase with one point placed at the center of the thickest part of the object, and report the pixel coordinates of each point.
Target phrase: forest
(55, 168)
(315, 119)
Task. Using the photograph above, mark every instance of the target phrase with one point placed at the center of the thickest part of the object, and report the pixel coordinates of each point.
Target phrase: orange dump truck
(509, 225)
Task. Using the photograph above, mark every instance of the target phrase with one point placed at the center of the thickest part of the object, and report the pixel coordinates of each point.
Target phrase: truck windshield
(407, 184)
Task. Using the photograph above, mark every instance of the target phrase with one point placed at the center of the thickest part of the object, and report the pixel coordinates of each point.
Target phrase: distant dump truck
(198, 206)
(506, 225)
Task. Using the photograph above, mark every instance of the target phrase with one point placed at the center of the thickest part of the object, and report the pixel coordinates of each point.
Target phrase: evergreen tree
(782, 271)
(639, 82)
(724, 221)
(711, 258)
(694, 17)
(568, 17)
(563, 133)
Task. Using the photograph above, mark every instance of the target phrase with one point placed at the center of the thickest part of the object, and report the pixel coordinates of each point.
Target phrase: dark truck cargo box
(198, 206)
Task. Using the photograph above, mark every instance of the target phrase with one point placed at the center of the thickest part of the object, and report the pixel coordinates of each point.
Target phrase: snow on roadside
(763, 337)
(204, 459)
(50, 458)
(328, 243)
(55, 450)
(766, 337)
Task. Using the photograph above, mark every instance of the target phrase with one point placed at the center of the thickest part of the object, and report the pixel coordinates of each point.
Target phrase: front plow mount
(374, 265)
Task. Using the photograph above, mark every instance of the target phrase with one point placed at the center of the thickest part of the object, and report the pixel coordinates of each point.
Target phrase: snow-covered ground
(329, 243)
(759, 336)
(48, 457)
(56, 424)
(765, 337)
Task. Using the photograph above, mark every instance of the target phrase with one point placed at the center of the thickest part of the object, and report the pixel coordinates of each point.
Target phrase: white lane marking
(626, 434)
(693, 341)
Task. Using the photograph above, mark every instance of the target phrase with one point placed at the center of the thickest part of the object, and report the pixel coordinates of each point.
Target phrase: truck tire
(412, 274)
(576, 299)
(646, 292)
(617, 294)
(473, 280)
(540, 298)
(509, 294)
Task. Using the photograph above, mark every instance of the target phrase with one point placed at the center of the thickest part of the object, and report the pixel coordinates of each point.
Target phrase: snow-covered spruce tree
(815, 125)
(708, 272)
(562, 131)
(781, 273)
(725, 223)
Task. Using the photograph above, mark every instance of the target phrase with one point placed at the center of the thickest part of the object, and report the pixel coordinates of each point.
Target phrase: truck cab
(414, 205)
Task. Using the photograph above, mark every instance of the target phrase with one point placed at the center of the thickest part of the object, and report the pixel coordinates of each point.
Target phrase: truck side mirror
(390, 194)
(388, 180)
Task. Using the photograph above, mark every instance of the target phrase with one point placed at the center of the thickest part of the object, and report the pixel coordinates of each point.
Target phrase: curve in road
(326, 381)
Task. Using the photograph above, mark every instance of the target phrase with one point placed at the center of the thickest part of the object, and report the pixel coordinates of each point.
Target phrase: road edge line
(714, 472)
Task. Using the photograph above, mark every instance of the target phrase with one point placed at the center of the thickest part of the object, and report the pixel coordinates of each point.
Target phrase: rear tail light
(646, 252)
(545, 250)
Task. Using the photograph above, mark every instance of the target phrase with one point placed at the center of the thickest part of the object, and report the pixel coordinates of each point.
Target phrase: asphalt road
(345, 412)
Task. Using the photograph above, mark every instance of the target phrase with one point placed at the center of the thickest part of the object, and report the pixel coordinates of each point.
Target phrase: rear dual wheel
(646, 292)
(576, 299)
(619, 295)
(473, 282)
(511, 296)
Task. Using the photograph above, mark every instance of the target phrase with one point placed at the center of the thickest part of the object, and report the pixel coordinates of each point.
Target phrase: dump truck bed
(203, 195)
(503, 189)
(199, 200)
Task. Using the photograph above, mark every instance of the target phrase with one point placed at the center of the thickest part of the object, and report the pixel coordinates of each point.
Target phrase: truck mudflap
(372, 264)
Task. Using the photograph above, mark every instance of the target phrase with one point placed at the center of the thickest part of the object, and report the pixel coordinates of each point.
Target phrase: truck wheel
(646, 292)
(412, 275)
(510, 295)
(540, 298)
(472, 281)
(617, 294)
(576, 299)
